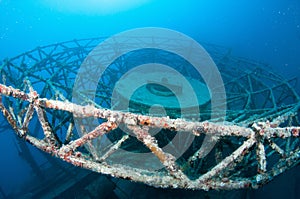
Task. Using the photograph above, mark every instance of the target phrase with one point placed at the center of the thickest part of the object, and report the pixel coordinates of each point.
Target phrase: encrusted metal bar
(167, 159)
(8, 116)
(16, 93)
(196, 128)
(200, 153)
(49, 134)
(69, 133)
(227, 161)
(89, 144)
(261, 157)
(28, 116)
(113, 148)
(102, 129)
(275, 147)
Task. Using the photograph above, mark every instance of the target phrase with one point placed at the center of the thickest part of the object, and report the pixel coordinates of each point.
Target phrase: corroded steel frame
(261, 119)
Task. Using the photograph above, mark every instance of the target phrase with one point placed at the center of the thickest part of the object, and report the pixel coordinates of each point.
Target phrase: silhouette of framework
(258, 141)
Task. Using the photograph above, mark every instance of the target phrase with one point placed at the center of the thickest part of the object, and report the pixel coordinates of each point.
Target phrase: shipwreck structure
(258, 140)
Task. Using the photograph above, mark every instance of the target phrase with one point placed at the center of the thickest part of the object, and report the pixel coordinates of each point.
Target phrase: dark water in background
(267, 31)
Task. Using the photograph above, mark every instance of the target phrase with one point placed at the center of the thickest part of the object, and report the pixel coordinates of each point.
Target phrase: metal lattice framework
(258, 141)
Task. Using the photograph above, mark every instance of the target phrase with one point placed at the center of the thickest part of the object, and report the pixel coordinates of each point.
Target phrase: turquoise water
(266, 31)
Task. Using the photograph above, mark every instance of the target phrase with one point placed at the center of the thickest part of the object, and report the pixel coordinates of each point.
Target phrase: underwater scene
(149, 99)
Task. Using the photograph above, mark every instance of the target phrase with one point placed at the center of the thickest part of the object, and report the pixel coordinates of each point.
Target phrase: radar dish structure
(258, 141)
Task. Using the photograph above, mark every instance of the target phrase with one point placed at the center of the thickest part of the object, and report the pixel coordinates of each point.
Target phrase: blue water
(267, 31)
